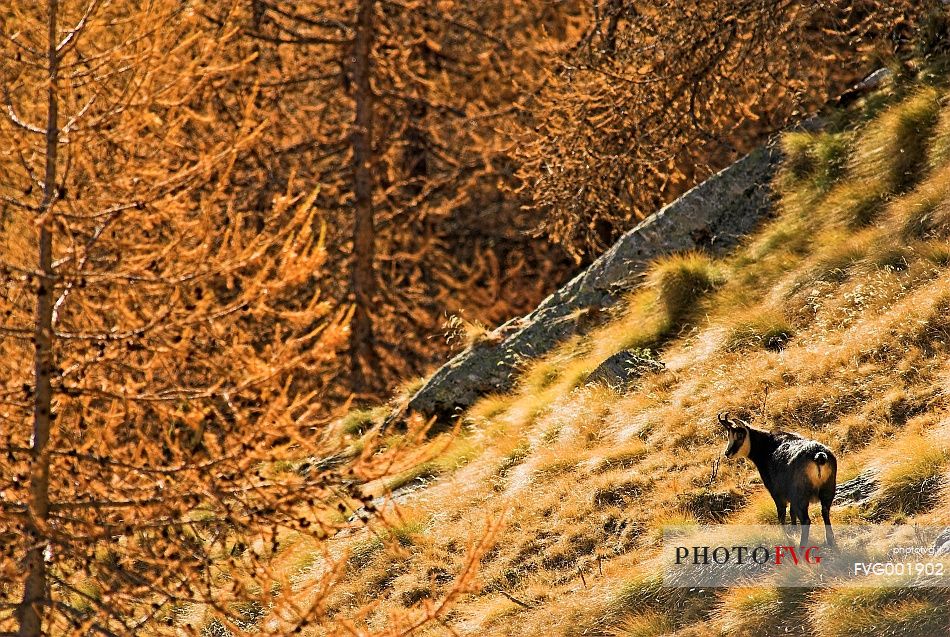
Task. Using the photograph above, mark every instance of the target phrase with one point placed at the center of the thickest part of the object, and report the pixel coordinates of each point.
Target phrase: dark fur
(782, 459)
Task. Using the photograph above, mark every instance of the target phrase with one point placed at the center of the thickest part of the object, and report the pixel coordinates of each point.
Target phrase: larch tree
(362, 347)
(399, 109)
(161, 437)
(657, 95)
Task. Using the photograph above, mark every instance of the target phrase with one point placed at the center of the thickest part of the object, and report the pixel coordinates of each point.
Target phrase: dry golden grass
(938, 152)
(762, 328)
(814, 160)
(879, 612)
(759, 612)
(894, 148)
(912, 477)
(681, 280)
(925, 213)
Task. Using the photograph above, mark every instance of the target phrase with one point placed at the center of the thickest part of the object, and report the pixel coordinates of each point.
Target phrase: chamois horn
(724, 420)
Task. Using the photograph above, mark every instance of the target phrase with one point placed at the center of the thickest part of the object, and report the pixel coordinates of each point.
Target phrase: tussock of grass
(682, 280)
(892, 258)
(938, 154)
(644, 596)
(894, 147)
(554, 465)
(405, 531)
(787, 236)
(837, 261)
(359, 421)
(759, 612)
(880, 612)
(614, 492)
(640, 327)
(542, 374)
(639, 594)
(925, 213)
(465, 333)
(489, 408)
(622, 457)
(911, 481)
(711, 506)
(856, 431)
(362, 552)
(936, 252)
(416, 476)
(648, 624)
(512, 459)
(759, 509)
(816, 160)
(857, 203)
(767, 329)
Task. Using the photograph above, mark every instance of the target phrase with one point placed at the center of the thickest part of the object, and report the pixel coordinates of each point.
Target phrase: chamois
(795, 470)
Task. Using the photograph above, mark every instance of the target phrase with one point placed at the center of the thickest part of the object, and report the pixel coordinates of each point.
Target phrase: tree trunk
(30, 610)
(363, 276)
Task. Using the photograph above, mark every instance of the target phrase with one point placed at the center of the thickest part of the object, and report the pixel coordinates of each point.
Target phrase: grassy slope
(839, 306)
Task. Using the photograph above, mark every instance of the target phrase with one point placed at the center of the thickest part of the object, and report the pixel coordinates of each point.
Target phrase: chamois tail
(821, 459)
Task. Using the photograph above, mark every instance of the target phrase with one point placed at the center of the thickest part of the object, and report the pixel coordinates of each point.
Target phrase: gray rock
(712, 216)
(942, 543)
(624, 367)
(857, 489)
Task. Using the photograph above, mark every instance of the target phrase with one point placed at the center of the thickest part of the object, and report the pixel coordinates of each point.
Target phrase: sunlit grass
(759, 612)
(925, 213)
(647, 624)
(762, 328)
(938, 153)
(359, 421)
(880, 611)
(912, 477)
(814, 160)
(682, 280)
(894, 147)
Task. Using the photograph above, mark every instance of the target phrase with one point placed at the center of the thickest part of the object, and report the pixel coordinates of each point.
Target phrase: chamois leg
(826, 499)
(805, 522)
(780, 508)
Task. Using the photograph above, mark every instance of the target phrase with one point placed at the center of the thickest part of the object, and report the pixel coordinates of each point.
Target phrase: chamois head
(738, 444)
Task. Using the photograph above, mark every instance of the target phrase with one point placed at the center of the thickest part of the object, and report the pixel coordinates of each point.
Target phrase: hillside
(835, 315)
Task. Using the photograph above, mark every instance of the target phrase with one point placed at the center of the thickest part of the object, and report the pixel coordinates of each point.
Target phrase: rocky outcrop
(713, 216)
(858, 489)
(942, 543)
(621, 369)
